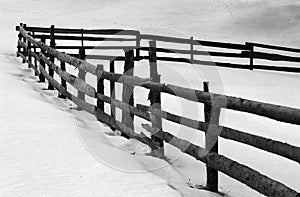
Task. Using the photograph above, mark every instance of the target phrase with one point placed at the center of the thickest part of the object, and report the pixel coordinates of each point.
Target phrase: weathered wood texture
(127, 94)
(52, 58)
(63, 82)
(155, 97)
(112, 89)
(211, 116)
(24, 51)
(240, 172)
(19, 39)
(269, 145)
(78, 31)
(71, 79)
(81, 73)
(42, 63)
(100, 87)
(20, 54)
(86, 106)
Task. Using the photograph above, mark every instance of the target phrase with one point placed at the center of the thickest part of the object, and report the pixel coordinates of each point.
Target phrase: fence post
(211, 115)
(24, 40)
(127, 95)
(63, 82)
(112, 89)
(28, 54)
(52, 44)
(251, 48)
(138, 45)
(42, 63)
(20, 38)
(35, 60)
(192, 49)
(81, 73)
(100, 87)
(155, 99)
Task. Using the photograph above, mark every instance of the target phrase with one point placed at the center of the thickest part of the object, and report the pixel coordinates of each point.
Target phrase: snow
(49, 148)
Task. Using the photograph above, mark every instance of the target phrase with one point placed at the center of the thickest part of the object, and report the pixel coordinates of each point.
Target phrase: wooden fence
(32, 45)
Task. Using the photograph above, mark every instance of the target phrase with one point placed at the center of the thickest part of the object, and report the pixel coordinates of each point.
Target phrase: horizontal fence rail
(31, 45)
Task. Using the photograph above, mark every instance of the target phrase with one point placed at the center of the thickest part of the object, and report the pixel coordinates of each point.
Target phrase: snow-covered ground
(48, 148)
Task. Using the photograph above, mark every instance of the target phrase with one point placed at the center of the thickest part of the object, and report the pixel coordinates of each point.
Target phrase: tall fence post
(155, 100)
(20, 38)
(112, 89)
(192, 49)
(24, 40)
(52, 58)
(42, 63)
(35, 60)
(100, 87)
(127, 95)
(211, 115)
(81, 73)
(63, 82)
(29, 61)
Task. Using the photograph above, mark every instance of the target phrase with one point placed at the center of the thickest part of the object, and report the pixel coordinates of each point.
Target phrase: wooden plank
(97, 47)
(276, 147)
(78, 31)
(275, 57)
(36, 71)
(105, 57)
(90, 38)
(276, 112)
(197, 52)
(222, 45)
(20, 54)
(33, 54)
(231, 168)
(195, 42)
(278, 68)
(272, 56)
(206, 63)
(274, 47)
(76, 82)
